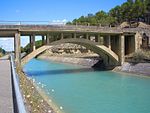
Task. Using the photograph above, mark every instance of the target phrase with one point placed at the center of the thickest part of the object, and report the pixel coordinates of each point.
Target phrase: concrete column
(62, 36)
(101, 40)
(87, 36)
(17, 48)
(43, 40)
(122, 48)
(47, 39)
(74, 35)
(32, 43)
(107, 41)
(98, 38)
(138, 41)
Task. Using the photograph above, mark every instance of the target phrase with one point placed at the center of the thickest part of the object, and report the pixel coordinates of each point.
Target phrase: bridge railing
(31, 23)
(48, 23)
(18, 96)
(40, 25)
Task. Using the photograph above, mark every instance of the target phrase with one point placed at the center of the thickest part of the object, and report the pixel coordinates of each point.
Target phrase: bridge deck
(6, 98)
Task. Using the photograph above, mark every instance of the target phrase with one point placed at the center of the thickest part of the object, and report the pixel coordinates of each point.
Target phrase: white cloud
(7, 44)
(59, 22)
(64, 20)
(17, 11)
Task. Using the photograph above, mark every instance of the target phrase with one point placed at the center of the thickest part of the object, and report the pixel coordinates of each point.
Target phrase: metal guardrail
(18, 95)
(31, 23)
(57, 23)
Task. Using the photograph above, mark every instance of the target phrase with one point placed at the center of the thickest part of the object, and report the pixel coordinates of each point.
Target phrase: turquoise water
(81, 90)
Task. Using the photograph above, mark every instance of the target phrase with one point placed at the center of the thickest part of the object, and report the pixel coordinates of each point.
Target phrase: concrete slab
(6, 98)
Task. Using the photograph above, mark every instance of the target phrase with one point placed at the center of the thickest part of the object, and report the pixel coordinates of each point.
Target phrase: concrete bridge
(112, 44)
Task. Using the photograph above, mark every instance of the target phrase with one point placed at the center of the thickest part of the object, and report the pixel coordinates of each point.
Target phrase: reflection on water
(61, 71)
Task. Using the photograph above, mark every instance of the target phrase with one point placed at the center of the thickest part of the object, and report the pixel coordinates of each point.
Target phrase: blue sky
(50, 10)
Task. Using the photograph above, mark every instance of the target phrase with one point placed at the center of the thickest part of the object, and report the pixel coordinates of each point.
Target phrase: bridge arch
(108, 56)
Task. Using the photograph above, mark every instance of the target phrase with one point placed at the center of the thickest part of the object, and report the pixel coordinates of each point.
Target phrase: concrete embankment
(138, 68)
(89, 62)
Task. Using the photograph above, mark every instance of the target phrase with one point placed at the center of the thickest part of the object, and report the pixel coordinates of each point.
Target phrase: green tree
(130, 1)
(27, 47)
(138, 9)
(2, 51)
(128, 11)
(116, 13)
(147, 5)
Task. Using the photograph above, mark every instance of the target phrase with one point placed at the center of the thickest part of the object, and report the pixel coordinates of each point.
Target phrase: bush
(27, 47)
(140, 56)
(1, 54)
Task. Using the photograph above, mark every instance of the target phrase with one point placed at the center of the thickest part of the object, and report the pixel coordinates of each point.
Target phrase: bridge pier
(43, 40)
(47, 39)
(107, 41)
(99, 39)
(32, 42)
(138, 41)
(87, 36)
(74, 35)
(62, 35)
(17, 48)
(122, 48)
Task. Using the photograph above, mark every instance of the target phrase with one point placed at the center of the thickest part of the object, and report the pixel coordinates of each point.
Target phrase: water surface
(82, 90)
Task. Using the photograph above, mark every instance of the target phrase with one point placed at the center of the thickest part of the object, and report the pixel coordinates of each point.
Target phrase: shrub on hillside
(27, 47)
(1, 54)
(139, 56)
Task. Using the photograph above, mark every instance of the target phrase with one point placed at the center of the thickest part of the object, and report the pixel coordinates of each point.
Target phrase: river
(80, 89)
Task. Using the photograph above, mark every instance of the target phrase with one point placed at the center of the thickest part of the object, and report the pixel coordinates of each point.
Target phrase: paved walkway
(6, 99)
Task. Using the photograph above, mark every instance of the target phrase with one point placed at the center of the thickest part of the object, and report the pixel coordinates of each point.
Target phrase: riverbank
(34, 100)
(84, 61)
(142, 69)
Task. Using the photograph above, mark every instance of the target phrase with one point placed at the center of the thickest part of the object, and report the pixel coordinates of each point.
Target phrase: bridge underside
(108, 56)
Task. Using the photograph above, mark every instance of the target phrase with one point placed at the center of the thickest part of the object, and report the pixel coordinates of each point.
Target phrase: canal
(79, 89)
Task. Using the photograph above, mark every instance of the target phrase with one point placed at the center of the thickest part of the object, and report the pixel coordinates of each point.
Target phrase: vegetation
(132, 10)
(2, 52)
(140, 56)
(27, 47)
